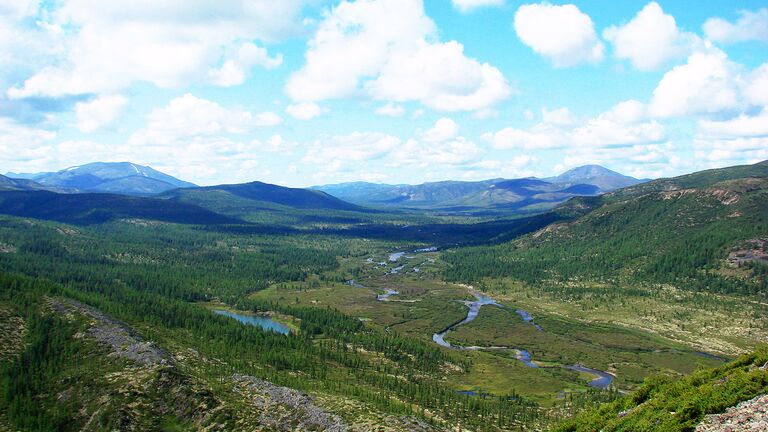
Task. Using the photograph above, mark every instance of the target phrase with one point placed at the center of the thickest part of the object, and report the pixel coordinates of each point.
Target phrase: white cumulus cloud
(443, 130)
(749, 26)
(708, 83)
(304, 110)
(388, 50)
(22, 147)
(624, 125)
(99, 112)
(168, 44)
(563, 34)
(234, 71)
(650, 40)
(342, 151)
(391, 110)
(189, 116)
(741, 126)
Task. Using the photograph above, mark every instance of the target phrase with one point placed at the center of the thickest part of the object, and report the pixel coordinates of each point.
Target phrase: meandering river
(602, 380)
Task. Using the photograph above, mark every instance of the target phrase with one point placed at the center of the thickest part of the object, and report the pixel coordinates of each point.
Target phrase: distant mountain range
(244, 199)
(94, 208)
(117, 177)
(100, 192)
(12, 184)
(530, 194)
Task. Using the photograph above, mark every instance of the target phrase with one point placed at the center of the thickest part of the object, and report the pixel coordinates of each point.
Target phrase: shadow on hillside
(443, 235)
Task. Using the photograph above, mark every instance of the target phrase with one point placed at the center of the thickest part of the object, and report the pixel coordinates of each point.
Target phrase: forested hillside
(108, 322)
(153, 277)
(662, 404)
(684, 231)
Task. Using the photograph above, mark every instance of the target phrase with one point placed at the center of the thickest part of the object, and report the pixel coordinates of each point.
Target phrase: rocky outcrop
(119, 337)
(286, 409)
(751, 415)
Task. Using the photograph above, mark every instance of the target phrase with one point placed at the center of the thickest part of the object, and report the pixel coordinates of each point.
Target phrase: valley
(383, 216)
(496, 336)
(278, 307)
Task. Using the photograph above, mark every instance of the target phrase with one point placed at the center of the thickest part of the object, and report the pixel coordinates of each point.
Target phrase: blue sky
(398, 91)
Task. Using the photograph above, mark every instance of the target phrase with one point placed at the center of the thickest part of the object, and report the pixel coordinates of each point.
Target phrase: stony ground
(286, 409)
(12, 329)
(152, 385)
(748, 416)
(123, 341)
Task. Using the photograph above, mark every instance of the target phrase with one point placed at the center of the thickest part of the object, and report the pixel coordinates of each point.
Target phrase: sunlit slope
(671, 406)
(688, 231)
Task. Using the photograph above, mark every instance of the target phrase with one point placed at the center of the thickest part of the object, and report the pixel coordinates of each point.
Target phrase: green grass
(678, 405)
(566, 341)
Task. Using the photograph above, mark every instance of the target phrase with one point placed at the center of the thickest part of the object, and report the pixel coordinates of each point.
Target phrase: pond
(256, 320)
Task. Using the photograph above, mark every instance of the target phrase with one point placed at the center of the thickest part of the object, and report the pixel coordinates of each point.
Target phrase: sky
(309, 92)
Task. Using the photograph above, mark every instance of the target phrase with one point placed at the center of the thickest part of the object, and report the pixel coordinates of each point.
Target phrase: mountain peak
(589, 171)
(116, 177)
(596, 175)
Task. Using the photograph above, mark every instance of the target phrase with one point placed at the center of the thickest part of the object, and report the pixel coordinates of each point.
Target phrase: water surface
(256, 320)
(387, 294)
(603, 380)
(396, 256)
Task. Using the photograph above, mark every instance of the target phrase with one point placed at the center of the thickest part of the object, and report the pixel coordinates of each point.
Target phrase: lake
(256, 320)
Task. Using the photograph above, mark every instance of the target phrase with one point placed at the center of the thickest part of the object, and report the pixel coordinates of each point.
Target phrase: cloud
(110, 47)
(650, 40)
(469, 5)
(350, 155)
(539, 137)
(708, 83)
(277, 144)
(199, 139)
(742, 126)
(188, 117)
(17, 9)
(334, 153)
(304, 110)
(396, 58)
(628, 111)
(425, 154)
(558, 117)
(441, 77)
(605, 131)
(203, 158)
(511, 167)
(640, 161)
(99, 112)
(443, 130)
(624, 125)
(562, 34)
(23, 146)
(727, 152)
(234, 70)
(391, 110)
(750, 26)
(25, 45)
(755, 90)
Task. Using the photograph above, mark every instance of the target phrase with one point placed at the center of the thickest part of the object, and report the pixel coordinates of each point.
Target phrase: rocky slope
(748, 416)
(140, 386)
